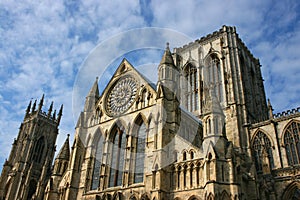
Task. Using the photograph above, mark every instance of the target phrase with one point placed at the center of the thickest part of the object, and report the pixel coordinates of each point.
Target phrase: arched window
(184, 176)
(97, 164)
(184, 156)
(140, 143)
(262, 151)
(191, 175)
(192, 154)
(39, 149)
(213, 77)
(191, 88)
(117, 157)
(292, 143)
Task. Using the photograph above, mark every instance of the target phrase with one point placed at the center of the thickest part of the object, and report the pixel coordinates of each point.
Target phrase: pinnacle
(167, 57)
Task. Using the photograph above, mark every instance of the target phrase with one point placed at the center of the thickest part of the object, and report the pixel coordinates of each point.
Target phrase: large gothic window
(262, 152)
(97, 164)
(213, 76)
(140, 142)
(292, 143)
(117, 157)
(191, 88)
(39, 149)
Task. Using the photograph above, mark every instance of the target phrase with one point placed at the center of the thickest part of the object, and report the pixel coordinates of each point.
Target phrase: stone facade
(204, 131)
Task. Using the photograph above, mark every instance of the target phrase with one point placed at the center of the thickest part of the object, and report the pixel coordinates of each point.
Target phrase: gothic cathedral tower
(27, 170)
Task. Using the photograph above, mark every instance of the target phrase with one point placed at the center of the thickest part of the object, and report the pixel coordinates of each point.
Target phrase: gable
(126, 91)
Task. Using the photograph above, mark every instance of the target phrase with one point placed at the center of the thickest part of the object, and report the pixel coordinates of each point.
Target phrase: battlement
(287, 113)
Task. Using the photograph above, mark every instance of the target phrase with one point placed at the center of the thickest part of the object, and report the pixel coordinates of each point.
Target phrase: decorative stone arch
(194, 197)
(177, 198)
(211, 54)
(184, 154)
(210, 196)
(133, 197)
(139, 119)
(264, 132)
(262, 151)
(285, 129)
(292, 191)
(119, 124)
(189, 63)
(289, 123)
(106, 196)
(291, 143)
(117, 196)
(94, 138)
(225, 196)
(145, 196)
(192, 153)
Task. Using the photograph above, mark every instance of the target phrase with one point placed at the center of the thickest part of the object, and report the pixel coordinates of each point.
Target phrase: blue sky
(44, 44)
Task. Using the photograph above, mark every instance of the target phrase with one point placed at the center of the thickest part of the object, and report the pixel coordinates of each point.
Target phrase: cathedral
(204, 131)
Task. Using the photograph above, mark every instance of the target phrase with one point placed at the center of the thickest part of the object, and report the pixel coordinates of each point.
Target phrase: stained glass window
(117, 158)
(262, 150)
(140, 154)
(97, 164)
(292, 143)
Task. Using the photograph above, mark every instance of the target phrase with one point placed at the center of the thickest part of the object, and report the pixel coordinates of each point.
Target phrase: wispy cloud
(43, 44)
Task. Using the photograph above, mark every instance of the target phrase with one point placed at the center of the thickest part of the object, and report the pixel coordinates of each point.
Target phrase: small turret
(168, 75)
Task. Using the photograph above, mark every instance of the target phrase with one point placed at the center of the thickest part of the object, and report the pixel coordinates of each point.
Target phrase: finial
(97, 78)
(28, 108)
(270, 108)
(68, 135)
(41, 103)
(167, 45)
(50, 109)
(54, 114)
(60, 113)
(33, 107)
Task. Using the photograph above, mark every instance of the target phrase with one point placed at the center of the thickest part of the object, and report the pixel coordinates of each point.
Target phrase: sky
(47, 47)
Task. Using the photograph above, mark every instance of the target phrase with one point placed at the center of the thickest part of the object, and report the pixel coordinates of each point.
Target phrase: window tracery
(191, 88)
(117, 157)
(262, 151)
(292, 143)
(140, 143)
(213, 76)
(97, 164)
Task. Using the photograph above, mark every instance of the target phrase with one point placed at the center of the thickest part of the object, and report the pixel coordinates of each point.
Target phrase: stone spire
(94, 92)
(92, 97)
(167, 57)
(64, 153)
